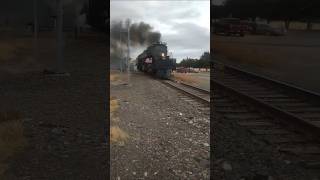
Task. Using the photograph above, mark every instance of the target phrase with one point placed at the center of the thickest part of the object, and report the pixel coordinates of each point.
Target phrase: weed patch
(118, 136)
(184, 78)
(12, 138)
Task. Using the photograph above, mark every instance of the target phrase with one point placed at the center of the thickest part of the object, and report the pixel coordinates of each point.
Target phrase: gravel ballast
(168, 136)
(239, 155)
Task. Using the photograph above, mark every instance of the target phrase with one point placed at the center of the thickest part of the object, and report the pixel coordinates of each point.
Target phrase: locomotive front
(155, 60)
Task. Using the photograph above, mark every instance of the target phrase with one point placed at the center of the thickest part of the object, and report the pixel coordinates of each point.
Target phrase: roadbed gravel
(238, 155)
(168, 136)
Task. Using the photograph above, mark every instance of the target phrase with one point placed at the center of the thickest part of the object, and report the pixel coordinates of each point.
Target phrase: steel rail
(310, 95)
(185, 91)
(305, 126)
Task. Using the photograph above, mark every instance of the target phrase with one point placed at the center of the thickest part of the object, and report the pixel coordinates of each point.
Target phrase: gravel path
(66, 117)
(168, 136)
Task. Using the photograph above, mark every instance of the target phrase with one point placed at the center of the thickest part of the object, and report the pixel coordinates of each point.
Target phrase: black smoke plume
(141, 35)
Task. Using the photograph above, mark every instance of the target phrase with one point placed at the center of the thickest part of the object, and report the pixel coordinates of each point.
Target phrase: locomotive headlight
(162, 55)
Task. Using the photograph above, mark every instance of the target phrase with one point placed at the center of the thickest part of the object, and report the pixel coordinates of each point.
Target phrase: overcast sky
(184, 25)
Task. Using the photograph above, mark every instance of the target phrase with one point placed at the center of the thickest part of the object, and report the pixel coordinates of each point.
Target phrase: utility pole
(120, 54)
(59, 36)
(35, 26)
(128, 52)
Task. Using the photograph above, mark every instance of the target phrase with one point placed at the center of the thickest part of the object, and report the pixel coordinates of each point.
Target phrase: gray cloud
(189, 35)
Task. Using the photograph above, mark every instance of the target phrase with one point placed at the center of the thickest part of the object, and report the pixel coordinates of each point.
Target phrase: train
(156, 61)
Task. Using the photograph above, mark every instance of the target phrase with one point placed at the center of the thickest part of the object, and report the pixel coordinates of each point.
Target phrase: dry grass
(10, 47)
(113, 109)
(117, 78)
(246, 54)
(7, 51)
(183, 77)
(114, 119)
(114, 77)
(12, 139)
(118, 136)
(114, 105)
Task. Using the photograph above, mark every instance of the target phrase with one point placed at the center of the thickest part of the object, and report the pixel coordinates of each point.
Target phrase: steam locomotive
(155, 60)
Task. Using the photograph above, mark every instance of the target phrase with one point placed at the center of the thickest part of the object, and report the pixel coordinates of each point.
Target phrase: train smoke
(141, 35)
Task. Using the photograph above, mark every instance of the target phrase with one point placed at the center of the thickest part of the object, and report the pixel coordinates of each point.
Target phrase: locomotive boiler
(156, 61)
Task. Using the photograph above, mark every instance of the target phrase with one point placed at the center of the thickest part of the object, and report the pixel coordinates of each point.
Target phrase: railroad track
(196, 93)
(196, 97)
(279, 113)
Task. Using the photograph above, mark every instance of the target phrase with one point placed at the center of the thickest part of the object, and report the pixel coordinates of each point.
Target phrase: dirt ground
(201, 80)
(293, 58)
(157, 134)
(63, 117)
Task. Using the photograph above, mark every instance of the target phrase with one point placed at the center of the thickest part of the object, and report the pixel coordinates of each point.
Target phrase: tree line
(97, 14)
(202, 62)
(284, 10)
